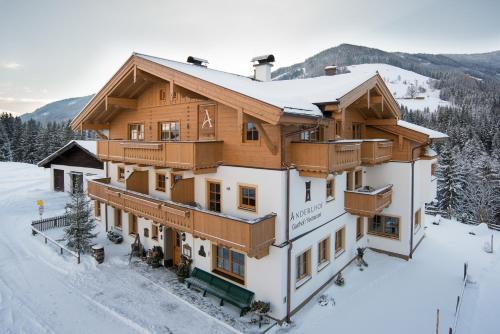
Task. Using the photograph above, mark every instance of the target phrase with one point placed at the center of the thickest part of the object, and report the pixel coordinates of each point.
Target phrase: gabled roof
(89, 147)
(432, 134)
(266, 100)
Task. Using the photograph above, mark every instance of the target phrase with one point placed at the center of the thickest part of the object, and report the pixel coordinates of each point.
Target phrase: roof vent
(197, 61)
(262, 67)
(331, 70)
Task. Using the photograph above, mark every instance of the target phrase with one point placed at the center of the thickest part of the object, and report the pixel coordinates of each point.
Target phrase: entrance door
(58, 180)
(176, 238)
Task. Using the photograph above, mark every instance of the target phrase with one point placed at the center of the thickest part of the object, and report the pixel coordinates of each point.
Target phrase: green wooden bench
(226, 291)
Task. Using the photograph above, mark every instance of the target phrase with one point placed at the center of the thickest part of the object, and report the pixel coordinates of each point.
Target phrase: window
(132, 224)
(384, 226)
(174, 178)
(358, 179)
(308, 191)
(330, 189)
(304, 265)
(146, 232)
(121, 174)
(339, 241)
(160, 181)
(359, 228)
(349, 183)
(324, 251)
(309, 134)
(251, 132)
(169, 131)
(163, 95)
(418, 219)
(136, 131)
(338, 128)
(230, 262)
(97, 209)
(118, 219)
(154, 232)
(248, 198)
(357, 130)
(214, 196)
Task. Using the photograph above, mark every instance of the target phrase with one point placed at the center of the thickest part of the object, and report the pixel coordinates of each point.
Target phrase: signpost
(40, 207)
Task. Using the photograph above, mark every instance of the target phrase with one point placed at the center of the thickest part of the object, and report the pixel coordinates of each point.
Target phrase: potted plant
(156, 256)
(183, 268)
(261, 309)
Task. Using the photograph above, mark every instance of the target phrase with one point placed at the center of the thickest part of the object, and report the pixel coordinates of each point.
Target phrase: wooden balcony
(253, 237)
(367, 203)
(376, 151)
(318, 159)
(192, 155)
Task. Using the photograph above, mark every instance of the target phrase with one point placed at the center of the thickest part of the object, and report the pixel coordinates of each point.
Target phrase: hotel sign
(305, 216)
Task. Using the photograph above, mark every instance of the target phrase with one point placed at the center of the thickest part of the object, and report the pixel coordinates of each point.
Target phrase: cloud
(23, 100)
(11, 66)
(9, 112)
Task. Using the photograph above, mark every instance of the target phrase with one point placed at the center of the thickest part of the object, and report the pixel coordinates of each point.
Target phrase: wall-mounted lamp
(183, 236)
(228, 188)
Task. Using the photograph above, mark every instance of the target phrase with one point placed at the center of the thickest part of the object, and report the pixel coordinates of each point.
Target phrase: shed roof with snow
(78, 153)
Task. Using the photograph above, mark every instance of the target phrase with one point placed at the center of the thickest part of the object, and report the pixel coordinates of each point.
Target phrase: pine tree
(79, 234)
(450, 182)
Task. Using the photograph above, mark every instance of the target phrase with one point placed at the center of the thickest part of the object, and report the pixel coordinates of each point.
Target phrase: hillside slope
(58, 111)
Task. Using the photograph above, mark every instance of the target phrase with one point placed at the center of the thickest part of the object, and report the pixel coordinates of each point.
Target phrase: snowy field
(43, 292)
(398, 80)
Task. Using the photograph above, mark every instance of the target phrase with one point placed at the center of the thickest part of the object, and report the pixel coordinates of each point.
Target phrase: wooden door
(58, 180)
(176, 242)
(206, 122)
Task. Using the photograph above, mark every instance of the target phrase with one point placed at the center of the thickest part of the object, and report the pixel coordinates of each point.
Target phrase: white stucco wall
(87, 172)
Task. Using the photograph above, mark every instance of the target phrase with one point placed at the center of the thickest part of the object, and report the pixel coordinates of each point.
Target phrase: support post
(458, 302)
(437, 321)
(465, 270)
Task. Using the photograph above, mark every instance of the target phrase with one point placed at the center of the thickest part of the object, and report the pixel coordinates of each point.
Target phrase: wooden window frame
(118, 173)
(360, 228)
(157, 181)
(129, 133)
(383, 234)
(300, 279)
(308, 185)
(145, 232)
(338, 128)
(97, 209)
(133, 222)
(160, 131)
(417, 220)
(330, 188)
(243, 206)
(433, 169)
(118, 220)
(340, 249)
(208, 182)
(358, 178)
(228, 273)
(163, 94)
(357, 130)
(310, 134)
(154, 232)
(350, 181)
(322, 262)
(254, 131)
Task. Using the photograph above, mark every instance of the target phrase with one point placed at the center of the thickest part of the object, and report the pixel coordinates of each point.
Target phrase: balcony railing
(376, 151)
(192, 155)
(367, 202)
(250, 236)
(322, 158)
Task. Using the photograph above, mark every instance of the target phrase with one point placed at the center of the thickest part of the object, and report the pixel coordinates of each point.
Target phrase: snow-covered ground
(398, 80)
(393, 296)
(43, 292)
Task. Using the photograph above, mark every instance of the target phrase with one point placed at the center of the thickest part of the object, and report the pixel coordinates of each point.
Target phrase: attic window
(251, 132)
(163, 95)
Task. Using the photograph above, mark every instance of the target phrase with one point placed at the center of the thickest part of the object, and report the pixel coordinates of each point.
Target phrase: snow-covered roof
(90, 146)
(298, 96)
(433, 134)
(429, 152)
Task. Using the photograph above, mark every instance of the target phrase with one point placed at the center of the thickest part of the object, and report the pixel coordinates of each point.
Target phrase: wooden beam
(270, 145)
(332, 107)
(90, 126)
(171, 86)
(240, 121)
(135, 73)
(121, 102)
(368, 98)
(372, 121)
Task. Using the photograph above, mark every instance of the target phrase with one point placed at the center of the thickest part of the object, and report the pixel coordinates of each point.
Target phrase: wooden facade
(376, 151)
(250, 236)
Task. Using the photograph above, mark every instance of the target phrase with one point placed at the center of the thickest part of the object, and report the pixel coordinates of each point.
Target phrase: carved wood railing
(368, 203)
(376, 151)
(251, 236)
(194, 155)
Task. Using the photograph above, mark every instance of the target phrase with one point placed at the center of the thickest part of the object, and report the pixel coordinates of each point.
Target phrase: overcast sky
(50, 50)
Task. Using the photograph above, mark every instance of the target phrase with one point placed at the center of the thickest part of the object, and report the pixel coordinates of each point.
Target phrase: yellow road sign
(39, 202)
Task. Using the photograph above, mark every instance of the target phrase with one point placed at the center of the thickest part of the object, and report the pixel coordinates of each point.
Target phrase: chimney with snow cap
(197, 61)
(262, 67)
(331, 70)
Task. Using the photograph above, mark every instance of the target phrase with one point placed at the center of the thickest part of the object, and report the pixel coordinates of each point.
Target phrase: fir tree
(79, 234)
(449, 182)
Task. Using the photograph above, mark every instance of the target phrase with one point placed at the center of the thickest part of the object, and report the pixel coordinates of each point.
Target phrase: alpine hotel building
(270, 185)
